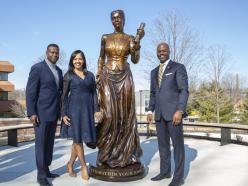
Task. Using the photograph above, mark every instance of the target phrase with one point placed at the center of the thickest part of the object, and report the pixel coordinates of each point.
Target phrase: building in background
(142, 98)
(5, 88)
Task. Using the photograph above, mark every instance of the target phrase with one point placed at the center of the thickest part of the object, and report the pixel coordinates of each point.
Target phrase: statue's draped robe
(117, 136)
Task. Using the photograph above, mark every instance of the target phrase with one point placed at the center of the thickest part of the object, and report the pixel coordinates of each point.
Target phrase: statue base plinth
(118, 174)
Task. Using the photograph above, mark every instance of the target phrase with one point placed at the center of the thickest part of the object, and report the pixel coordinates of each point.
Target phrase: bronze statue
(117, 136)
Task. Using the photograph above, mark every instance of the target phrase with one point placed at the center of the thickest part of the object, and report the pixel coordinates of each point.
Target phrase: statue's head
(118, 19)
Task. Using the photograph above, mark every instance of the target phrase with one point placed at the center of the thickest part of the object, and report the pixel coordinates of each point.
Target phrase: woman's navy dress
(79, 103)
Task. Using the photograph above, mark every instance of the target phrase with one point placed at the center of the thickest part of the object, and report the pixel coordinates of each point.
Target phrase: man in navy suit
(43, 94)
(168, 98)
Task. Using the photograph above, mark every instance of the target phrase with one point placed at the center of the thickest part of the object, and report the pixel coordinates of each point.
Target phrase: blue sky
(28, 26)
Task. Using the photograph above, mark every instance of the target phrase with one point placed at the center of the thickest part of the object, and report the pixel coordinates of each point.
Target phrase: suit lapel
(60, 77)
(167, 70)
(156, 76)
(50, 73)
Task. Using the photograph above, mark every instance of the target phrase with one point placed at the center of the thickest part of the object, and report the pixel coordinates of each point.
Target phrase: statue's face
(118, 21)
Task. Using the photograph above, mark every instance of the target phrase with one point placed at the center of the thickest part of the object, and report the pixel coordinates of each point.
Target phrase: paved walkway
(207, 164)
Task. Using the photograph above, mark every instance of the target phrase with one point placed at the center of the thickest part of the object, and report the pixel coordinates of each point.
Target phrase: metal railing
(225, 130)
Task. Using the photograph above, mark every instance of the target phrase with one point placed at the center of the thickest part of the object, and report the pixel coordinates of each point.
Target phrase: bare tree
(17, 110)
(17, 94)
(217, 64)
(233, 84)
(184, 42)
(62, 62)
(92, 65)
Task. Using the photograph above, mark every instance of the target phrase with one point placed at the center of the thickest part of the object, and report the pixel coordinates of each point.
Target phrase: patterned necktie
(160, 74)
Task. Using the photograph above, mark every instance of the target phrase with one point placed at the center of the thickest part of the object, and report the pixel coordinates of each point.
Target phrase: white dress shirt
(54, 71)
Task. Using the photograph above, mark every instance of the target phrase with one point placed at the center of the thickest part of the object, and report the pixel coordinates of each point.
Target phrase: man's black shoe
(51, 175)
(176, 183)
(161, 176)
(44, 182)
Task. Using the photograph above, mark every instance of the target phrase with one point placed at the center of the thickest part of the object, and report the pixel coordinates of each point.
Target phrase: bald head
(164, 45)
(163, 52)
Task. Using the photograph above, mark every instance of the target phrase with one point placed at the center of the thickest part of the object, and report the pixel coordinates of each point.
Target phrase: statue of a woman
(117, 136)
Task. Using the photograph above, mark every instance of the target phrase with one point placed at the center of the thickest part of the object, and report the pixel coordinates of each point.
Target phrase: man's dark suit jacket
(42, 93)
(173, 92)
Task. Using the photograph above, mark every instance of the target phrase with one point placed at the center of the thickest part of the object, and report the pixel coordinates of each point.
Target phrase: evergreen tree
(226, 108)
(205, 103)
(244, 114)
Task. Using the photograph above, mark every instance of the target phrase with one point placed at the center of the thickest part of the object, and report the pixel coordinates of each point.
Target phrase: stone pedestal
(118, 174)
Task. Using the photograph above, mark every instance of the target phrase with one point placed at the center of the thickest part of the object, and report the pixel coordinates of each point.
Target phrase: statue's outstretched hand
(141, 33)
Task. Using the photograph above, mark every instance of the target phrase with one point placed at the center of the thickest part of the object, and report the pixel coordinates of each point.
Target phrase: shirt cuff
(181, 111)
(149, 112)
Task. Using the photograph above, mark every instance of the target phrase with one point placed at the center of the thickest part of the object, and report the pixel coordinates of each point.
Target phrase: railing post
(225, 136)
(12, 137)
(147, 130)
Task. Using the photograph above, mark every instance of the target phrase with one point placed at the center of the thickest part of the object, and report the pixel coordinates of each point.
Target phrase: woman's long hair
(71, 66)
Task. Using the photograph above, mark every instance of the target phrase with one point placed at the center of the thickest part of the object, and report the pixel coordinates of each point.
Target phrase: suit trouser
(165, 131)
(44, 142)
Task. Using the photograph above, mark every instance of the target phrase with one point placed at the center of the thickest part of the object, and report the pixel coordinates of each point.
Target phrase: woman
(117, 137)
(79, 103)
